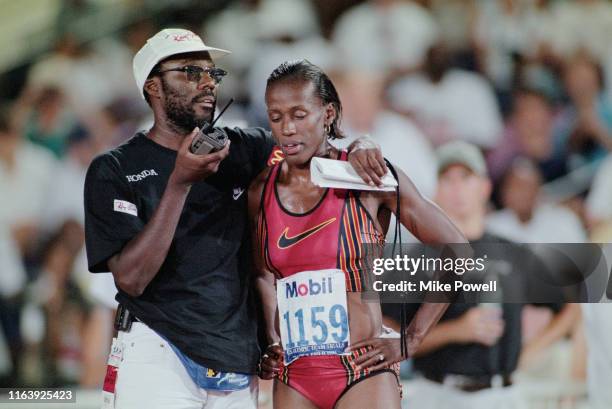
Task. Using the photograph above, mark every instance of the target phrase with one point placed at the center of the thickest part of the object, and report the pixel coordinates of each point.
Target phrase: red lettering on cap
(184, 37)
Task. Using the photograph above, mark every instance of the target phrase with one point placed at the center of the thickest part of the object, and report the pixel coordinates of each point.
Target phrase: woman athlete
(306, 236)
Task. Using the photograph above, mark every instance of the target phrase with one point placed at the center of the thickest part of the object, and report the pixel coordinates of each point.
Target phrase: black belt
(124, 319)
(469, 383)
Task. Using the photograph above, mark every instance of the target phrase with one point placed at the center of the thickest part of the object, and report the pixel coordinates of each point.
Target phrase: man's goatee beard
(186, 121)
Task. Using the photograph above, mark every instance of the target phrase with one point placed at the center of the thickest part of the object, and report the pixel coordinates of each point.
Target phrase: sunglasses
(194, 73)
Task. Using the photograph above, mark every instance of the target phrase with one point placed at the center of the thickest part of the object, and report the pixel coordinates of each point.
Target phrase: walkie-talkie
(209, 139)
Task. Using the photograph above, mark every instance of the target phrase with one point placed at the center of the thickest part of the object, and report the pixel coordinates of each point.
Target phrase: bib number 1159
(336, 317)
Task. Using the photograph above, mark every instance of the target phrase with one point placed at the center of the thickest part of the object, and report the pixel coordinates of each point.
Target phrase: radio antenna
(222, 111)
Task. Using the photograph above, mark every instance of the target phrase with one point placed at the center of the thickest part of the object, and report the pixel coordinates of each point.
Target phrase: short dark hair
(304, 70)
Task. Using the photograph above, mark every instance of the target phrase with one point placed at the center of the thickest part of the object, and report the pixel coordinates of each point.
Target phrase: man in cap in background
(468, 359)
(462, 354)
(172, 228)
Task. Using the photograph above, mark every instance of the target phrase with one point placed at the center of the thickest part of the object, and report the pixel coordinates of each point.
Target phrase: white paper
(341, 175)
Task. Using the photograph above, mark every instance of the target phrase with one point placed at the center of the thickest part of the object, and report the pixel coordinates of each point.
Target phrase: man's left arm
(428, 223)
(364, 154)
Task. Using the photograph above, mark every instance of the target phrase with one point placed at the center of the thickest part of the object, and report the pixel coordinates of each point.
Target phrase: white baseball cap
(170, 41)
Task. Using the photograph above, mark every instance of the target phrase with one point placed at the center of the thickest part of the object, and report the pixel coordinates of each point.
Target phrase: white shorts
(150, 375)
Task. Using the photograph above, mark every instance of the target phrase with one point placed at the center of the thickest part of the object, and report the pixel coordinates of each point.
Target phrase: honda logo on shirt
(140, 176)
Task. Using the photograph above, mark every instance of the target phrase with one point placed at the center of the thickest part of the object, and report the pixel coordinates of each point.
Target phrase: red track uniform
(338, 233)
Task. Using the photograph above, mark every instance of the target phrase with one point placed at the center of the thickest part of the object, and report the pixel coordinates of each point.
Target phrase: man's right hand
(190, 168)
(482, 325)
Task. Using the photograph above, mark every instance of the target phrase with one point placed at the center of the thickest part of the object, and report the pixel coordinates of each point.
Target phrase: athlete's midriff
(338, 233)
(365, 318)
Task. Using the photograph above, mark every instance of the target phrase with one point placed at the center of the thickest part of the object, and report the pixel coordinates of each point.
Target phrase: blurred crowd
(528, 81)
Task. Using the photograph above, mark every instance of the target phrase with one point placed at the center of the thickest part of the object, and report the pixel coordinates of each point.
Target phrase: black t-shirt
(200, 300)
(476, 359)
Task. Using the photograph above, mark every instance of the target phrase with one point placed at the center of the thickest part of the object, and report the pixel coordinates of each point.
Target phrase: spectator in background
(286, 29)
(384, 35)
(76, 68)
(64, 270)
(598, 332)
(63, 202)
(528, 132)
(599, 199)
(525, 217)
(46, 118)
(78, 306)
(456, 22)
(448, 103)
(118, 121)
(12, 280)
(64, 304)
(233, 28)
(509, 33)
(26, 171)
(606, 63)
(582, 25)
(400, 140)
(138, 34)
(538, 66)
(501, 33)
(585, 125)
(468, 359)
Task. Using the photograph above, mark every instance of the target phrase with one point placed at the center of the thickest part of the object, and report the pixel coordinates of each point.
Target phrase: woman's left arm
(425, 220)
(428, 223)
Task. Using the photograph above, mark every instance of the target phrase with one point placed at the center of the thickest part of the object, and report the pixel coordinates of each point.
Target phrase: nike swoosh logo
(285, 241)
(237, 193)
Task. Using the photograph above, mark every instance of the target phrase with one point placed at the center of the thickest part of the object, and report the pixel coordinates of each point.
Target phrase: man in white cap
(171, 226)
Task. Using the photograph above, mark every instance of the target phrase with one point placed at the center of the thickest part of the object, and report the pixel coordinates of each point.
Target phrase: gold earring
(327, 129)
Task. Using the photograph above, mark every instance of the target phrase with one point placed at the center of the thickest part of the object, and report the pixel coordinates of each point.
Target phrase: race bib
(313, 314)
